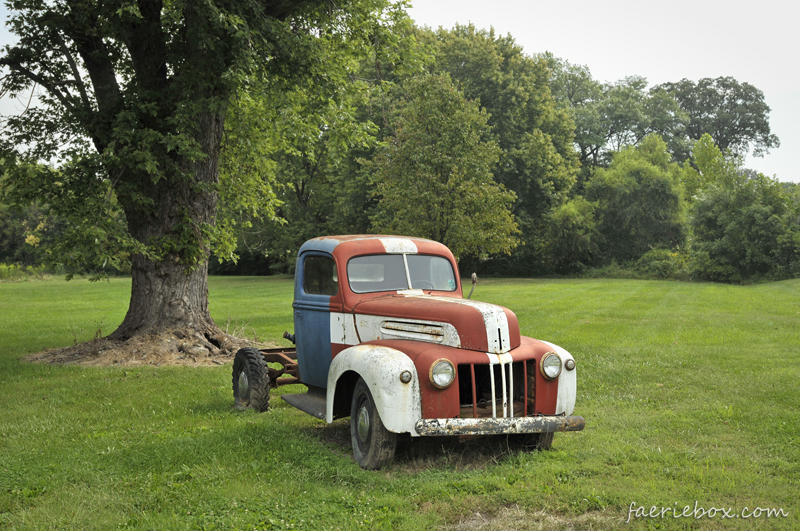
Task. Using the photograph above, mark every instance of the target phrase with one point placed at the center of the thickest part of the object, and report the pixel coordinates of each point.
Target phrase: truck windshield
(387, 272)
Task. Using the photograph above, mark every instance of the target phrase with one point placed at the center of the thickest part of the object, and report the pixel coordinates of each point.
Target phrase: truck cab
(384, 335)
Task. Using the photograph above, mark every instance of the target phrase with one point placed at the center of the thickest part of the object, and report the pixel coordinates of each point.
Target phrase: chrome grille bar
(507, 385)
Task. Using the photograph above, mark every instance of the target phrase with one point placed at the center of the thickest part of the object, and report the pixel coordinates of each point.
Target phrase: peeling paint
(399, 245)
(494, 320)
(567, 383)
(545, 424)
(374, 327)
(399, 404)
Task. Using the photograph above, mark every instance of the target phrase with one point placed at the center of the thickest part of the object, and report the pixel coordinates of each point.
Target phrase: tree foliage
(311, 136)
(733, 113)
(169, 131)
(573, 236)
(433, 175)
(745, 225)
(611, 116)
(537, 160)
(135, 97)
(639, 201)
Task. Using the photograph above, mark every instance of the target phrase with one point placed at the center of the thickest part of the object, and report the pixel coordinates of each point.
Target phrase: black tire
(250, 380)
(373, 445)
(537, 441)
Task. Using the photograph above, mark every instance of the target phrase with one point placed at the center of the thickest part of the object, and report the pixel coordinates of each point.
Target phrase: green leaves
(639, 201)
(433, 175)
(734, 114)
(745, 224)
(136, 95)
(611, 116)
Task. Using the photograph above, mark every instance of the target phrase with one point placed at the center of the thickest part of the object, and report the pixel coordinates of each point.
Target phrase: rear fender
(399, 404)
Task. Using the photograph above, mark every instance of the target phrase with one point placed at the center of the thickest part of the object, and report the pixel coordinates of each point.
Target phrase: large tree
(733, 113)
(611, 116)
(312, 136)
(537, 161)
(433, 173)
(745, 225)
(639, 201)
(133, 97)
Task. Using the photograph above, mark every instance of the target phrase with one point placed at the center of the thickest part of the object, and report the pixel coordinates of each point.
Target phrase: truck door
(316, 281)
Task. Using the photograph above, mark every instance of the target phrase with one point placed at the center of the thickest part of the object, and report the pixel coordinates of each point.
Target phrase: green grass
(689, 391)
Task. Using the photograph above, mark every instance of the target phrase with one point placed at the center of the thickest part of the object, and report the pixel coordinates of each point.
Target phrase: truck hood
(450, 321)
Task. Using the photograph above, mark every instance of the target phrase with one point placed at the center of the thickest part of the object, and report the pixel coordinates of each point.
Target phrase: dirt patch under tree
(170, 347)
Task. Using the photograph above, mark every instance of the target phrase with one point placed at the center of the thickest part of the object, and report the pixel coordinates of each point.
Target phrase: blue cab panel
(312, 327)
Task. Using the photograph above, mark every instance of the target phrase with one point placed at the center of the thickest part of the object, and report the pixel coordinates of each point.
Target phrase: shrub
(663, 263)
(11, 272)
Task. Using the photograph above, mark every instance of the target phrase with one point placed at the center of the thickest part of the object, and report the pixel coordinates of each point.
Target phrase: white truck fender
(567, 383)
(399, 404)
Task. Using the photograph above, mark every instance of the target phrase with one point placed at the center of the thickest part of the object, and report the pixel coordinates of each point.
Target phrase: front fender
(567, 383)
(399, 404)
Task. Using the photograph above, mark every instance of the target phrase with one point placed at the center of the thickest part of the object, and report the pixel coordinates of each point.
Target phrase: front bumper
(495, 426)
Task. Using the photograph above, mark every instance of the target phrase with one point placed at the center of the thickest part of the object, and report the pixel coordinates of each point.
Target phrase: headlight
(550, 366)
(442, 373)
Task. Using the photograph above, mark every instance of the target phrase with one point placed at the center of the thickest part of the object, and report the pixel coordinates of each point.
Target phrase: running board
(312, 402)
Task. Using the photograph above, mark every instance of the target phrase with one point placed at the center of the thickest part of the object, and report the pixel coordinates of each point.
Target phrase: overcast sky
(665, 41)
(755, 42)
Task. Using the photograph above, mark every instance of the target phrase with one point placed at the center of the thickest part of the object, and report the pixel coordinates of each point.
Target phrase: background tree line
(522, 164)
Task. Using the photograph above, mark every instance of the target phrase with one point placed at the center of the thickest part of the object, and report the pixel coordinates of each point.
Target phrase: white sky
(753, 42)
(756, 42)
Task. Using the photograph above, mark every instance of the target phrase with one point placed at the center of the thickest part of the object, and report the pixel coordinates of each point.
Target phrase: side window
(319, 276)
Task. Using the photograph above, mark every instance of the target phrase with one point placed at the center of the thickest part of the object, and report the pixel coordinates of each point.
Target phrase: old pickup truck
(384, 335)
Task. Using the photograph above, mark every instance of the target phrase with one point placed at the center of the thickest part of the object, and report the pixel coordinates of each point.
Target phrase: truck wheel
(250, 380)
(537, 441)
(373, 444)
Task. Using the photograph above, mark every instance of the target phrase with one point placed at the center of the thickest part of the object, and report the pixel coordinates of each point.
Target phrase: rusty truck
(384, 335)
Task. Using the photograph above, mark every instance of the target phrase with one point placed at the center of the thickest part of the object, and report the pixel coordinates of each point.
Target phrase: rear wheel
(373, 445)
(250, 380)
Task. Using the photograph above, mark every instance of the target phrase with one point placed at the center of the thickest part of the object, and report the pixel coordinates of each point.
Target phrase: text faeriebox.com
(701, 512)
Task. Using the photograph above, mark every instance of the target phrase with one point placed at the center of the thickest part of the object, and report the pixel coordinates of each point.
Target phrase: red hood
(461, 323)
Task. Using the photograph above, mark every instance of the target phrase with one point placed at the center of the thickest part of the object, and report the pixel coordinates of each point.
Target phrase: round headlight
(550, 366)
(442, 373)
(569, 364)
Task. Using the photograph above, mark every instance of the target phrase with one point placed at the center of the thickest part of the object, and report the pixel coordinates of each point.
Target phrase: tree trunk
(172, 293)
(165, 297)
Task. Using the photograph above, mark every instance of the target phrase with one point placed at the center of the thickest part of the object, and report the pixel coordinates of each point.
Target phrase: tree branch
(145, 40)
(74, 67)
(28, 106)
(95, 57)
(37, 79)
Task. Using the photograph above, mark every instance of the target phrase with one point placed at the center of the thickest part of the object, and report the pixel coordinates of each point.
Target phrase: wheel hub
(363, 423)
(244, 384)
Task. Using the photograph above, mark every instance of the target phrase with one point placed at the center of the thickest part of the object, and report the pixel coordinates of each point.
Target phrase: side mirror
(474, 281)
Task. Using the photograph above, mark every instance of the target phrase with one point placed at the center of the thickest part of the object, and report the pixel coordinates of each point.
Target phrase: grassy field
(689, 390)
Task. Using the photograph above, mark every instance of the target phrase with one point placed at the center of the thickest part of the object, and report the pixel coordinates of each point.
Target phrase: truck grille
(503, 389)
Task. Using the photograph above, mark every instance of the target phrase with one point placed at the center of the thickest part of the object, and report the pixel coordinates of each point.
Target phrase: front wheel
(250, 380)
(373, 445)
(537, 441)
